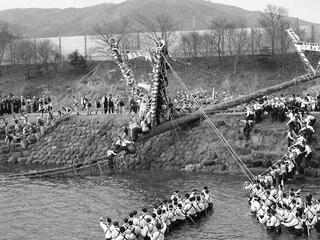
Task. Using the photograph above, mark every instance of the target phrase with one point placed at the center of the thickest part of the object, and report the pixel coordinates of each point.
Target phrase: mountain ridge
(39, 22)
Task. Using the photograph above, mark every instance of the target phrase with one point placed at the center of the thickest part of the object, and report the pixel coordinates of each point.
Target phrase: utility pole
(252, 41)
(193, 23)
(85, 47)
(60, 52)
(11, 53)
(138, 40)
(35, 51)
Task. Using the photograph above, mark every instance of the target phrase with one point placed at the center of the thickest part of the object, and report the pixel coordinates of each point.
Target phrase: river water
(70, 208)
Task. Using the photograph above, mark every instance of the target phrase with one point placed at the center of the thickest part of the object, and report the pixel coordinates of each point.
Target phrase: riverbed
(70, 208)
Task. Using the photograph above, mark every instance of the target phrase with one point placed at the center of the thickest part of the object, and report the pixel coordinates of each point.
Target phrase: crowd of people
(276, 209)
(184, 102)
(273, 207)
(280, 108)
(23, 105)
(21, 131)
(101, 105)
(164, 217)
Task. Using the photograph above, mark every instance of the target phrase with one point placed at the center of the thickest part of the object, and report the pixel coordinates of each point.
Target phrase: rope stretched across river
(53, 171)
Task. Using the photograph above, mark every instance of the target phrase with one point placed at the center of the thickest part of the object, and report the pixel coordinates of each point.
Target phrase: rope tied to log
(241, 164)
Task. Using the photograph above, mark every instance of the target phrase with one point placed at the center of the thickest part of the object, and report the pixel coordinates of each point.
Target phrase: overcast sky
(304, 9)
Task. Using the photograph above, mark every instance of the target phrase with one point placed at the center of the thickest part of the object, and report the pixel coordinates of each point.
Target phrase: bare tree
(298, 30)
(208, 46)
(47, 53)
(218, 28)
(24, 56)
(196, 42)
(159, 27)
(192, 44)
(238, 42)
(117, 31)
(6, 37)
(313, 34)
(257, 34)
(282, 37)
(270, 21)
(186, 46)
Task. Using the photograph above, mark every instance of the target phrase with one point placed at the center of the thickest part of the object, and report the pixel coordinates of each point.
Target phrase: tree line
(34, 57)
(222, 38)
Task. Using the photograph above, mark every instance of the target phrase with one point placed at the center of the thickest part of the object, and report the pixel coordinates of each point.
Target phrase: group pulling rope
(154, 224)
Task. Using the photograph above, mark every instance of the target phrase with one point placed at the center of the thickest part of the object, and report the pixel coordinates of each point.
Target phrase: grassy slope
(254, 73)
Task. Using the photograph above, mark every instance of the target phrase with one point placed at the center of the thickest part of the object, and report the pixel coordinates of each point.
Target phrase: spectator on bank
(97, 106)
(105, 104)
(135, 129)
(121, 106)
(75, 105)
(23, 105)
(133, 106)
(84, 101)
(34, 104)
(247, 129)
(125, 132)
(110, 104)
(144, 126)
(250, 114)
(117, 104)
(50, 107)
(41, 106)
(88, 107)
(49, 118)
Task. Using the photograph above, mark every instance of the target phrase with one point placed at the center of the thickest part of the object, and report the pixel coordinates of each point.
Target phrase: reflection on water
(70, 208)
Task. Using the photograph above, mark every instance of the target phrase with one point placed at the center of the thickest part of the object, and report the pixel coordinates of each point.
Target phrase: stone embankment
(77, 139)
(198, 148)
(194, 148)
(15, 150)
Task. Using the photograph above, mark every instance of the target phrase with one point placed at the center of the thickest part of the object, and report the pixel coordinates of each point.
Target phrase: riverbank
(84, 139)
(255, 72)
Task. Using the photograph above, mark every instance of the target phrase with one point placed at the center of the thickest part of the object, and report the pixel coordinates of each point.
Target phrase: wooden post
(252, 41)
(222, 43)
(138, 40)
(35, 51)
(11, 53)
(85, 47)
(60, 52)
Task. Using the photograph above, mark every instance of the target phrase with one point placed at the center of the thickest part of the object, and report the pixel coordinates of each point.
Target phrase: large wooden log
(167, 126)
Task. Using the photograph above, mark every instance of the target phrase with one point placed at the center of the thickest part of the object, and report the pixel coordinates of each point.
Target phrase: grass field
(253, 73)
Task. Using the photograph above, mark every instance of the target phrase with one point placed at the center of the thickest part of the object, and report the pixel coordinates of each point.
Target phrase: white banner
(136, 54)
(146, 86)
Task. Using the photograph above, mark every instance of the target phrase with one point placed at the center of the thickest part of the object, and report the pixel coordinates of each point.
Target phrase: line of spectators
(101, 105)
(15, 105)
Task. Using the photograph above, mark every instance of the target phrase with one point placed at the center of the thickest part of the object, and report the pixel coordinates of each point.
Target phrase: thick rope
(49, 172)
(230, 149)
(79, 81)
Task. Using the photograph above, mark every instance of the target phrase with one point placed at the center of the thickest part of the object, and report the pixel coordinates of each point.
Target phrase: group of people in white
(164, 217)
(278, 106)
(273, 207)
